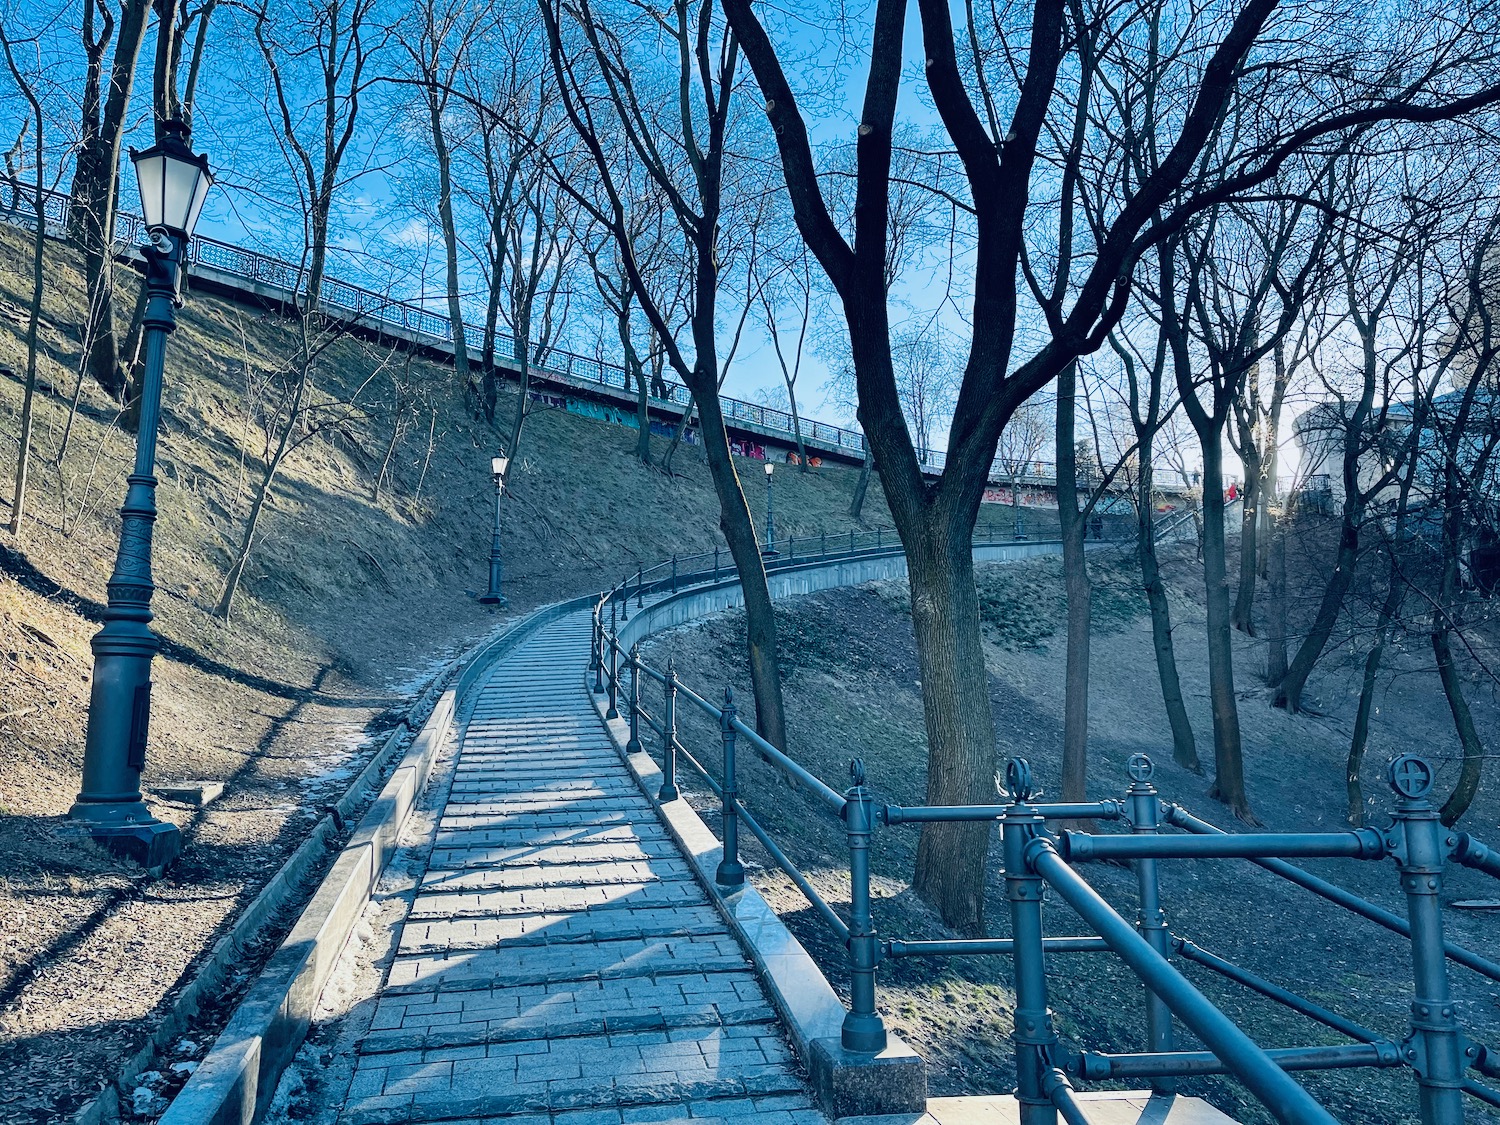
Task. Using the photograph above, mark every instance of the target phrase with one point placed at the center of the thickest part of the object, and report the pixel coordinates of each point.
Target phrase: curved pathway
(559, 962)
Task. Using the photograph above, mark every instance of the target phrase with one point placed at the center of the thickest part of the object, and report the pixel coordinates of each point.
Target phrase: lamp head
(173, 182)
(498, 466)
(770, 468)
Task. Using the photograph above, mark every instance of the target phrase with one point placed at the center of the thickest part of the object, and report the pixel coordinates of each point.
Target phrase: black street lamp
(770, 548)
(174, 182)
(493, 596)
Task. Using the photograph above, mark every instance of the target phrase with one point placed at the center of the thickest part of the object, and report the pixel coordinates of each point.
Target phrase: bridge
(579, 945)
(589, 385)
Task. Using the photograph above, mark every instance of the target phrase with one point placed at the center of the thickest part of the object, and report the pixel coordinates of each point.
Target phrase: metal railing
(1434, 1049)
(389, 313)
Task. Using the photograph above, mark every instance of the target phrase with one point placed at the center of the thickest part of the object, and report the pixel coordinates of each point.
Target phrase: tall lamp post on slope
(493, 596)
(770, 548)
(174, 181)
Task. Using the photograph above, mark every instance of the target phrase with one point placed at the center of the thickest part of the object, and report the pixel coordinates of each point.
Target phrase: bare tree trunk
(435, 106)
(1079, 594)
(1229, 766)
(744, 548)
(1289, 690)
(95, 191)
(952, 858)
(1388, 610)
(38, 252)
(1251, 500)
(1467, 786)
(1276, 602)
(1184, 745)
(862, 485)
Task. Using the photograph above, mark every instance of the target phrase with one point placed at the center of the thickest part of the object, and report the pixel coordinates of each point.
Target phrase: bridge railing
(17, 205)
(1435, 1049)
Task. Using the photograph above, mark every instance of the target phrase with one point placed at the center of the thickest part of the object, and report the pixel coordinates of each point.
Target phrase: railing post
(614, 675)
(1145, 817)
(879, 538)
(823, 546)
(863, 1029)
(668, 790)
(1421, 845)
(674, 574)
(640, 591)
(624, 601)
(716, 564)
(594, 646)
(633, 746)
(731, 873)
(851, 541)
(1034, 1036)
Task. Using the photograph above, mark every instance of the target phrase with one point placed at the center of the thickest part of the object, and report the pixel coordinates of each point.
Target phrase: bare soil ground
(351, 603)
(852, 689)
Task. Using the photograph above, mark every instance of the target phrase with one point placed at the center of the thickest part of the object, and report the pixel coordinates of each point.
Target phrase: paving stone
(559, 964)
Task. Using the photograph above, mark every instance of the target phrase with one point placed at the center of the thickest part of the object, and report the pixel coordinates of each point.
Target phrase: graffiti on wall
(1029, 498)
(604, 412)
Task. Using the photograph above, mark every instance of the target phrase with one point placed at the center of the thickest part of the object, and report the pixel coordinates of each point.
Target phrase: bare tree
(95, 188)
(682, 143)
(28, 87)
(1093, 281)
(444, 35)
(336, 41)
(1146, 390)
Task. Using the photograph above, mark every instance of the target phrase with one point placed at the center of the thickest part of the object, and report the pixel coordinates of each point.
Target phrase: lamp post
(174, 182)
(493, 596)
(770, 548)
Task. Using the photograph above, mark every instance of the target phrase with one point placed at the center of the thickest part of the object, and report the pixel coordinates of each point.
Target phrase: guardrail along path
(560, 963)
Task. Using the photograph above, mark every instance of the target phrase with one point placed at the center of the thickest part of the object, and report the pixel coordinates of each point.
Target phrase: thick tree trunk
(1289, 690)
(1467, 786)
(1276, 634)
(1184, 744)
(861, 486)
(450, 244)
(952, 858)
(95, 192)
(744, 548)
(1361, 736)
(1079, 594)
(33, 319)
(1229, 766)
(1243, 616)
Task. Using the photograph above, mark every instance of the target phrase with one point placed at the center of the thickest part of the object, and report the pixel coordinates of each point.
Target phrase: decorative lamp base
(493, 599)
(153, 843)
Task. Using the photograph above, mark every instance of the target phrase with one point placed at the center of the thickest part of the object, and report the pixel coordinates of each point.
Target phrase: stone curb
(237, 1079)
(844, 1083)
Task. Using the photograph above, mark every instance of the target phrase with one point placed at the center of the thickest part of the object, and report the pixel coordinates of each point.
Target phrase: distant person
(1234, 492)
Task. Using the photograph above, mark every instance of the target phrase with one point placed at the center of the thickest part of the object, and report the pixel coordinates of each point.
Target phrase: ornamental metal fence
(1435, 1050)
(387, 313)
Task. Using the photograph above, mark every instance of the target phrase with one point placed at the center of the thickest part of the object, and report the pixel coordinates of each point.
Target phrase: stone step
(689, 1065)
(510, 837)
(572, 875)
(497, 902)
(438, 934)
(617, 1003)
(549, 964)
(581, 854)
(558, 1022)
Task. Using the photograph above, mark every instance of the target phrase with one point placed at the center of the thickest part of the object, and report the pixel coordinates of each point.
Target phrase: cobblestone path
(560, 964)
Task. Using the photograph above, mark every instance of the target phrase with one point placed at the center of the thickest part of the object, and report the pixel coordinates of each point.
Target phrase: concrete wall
(800, 580)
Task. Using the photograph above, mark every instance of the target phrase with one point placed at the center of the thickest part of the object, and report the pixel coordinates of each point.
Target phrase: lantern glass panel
(150, 173)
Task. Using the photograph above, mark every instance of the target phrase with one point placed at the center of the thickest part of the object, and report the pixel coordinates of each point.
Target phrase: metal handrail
(1033, 857)
(552, 363)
